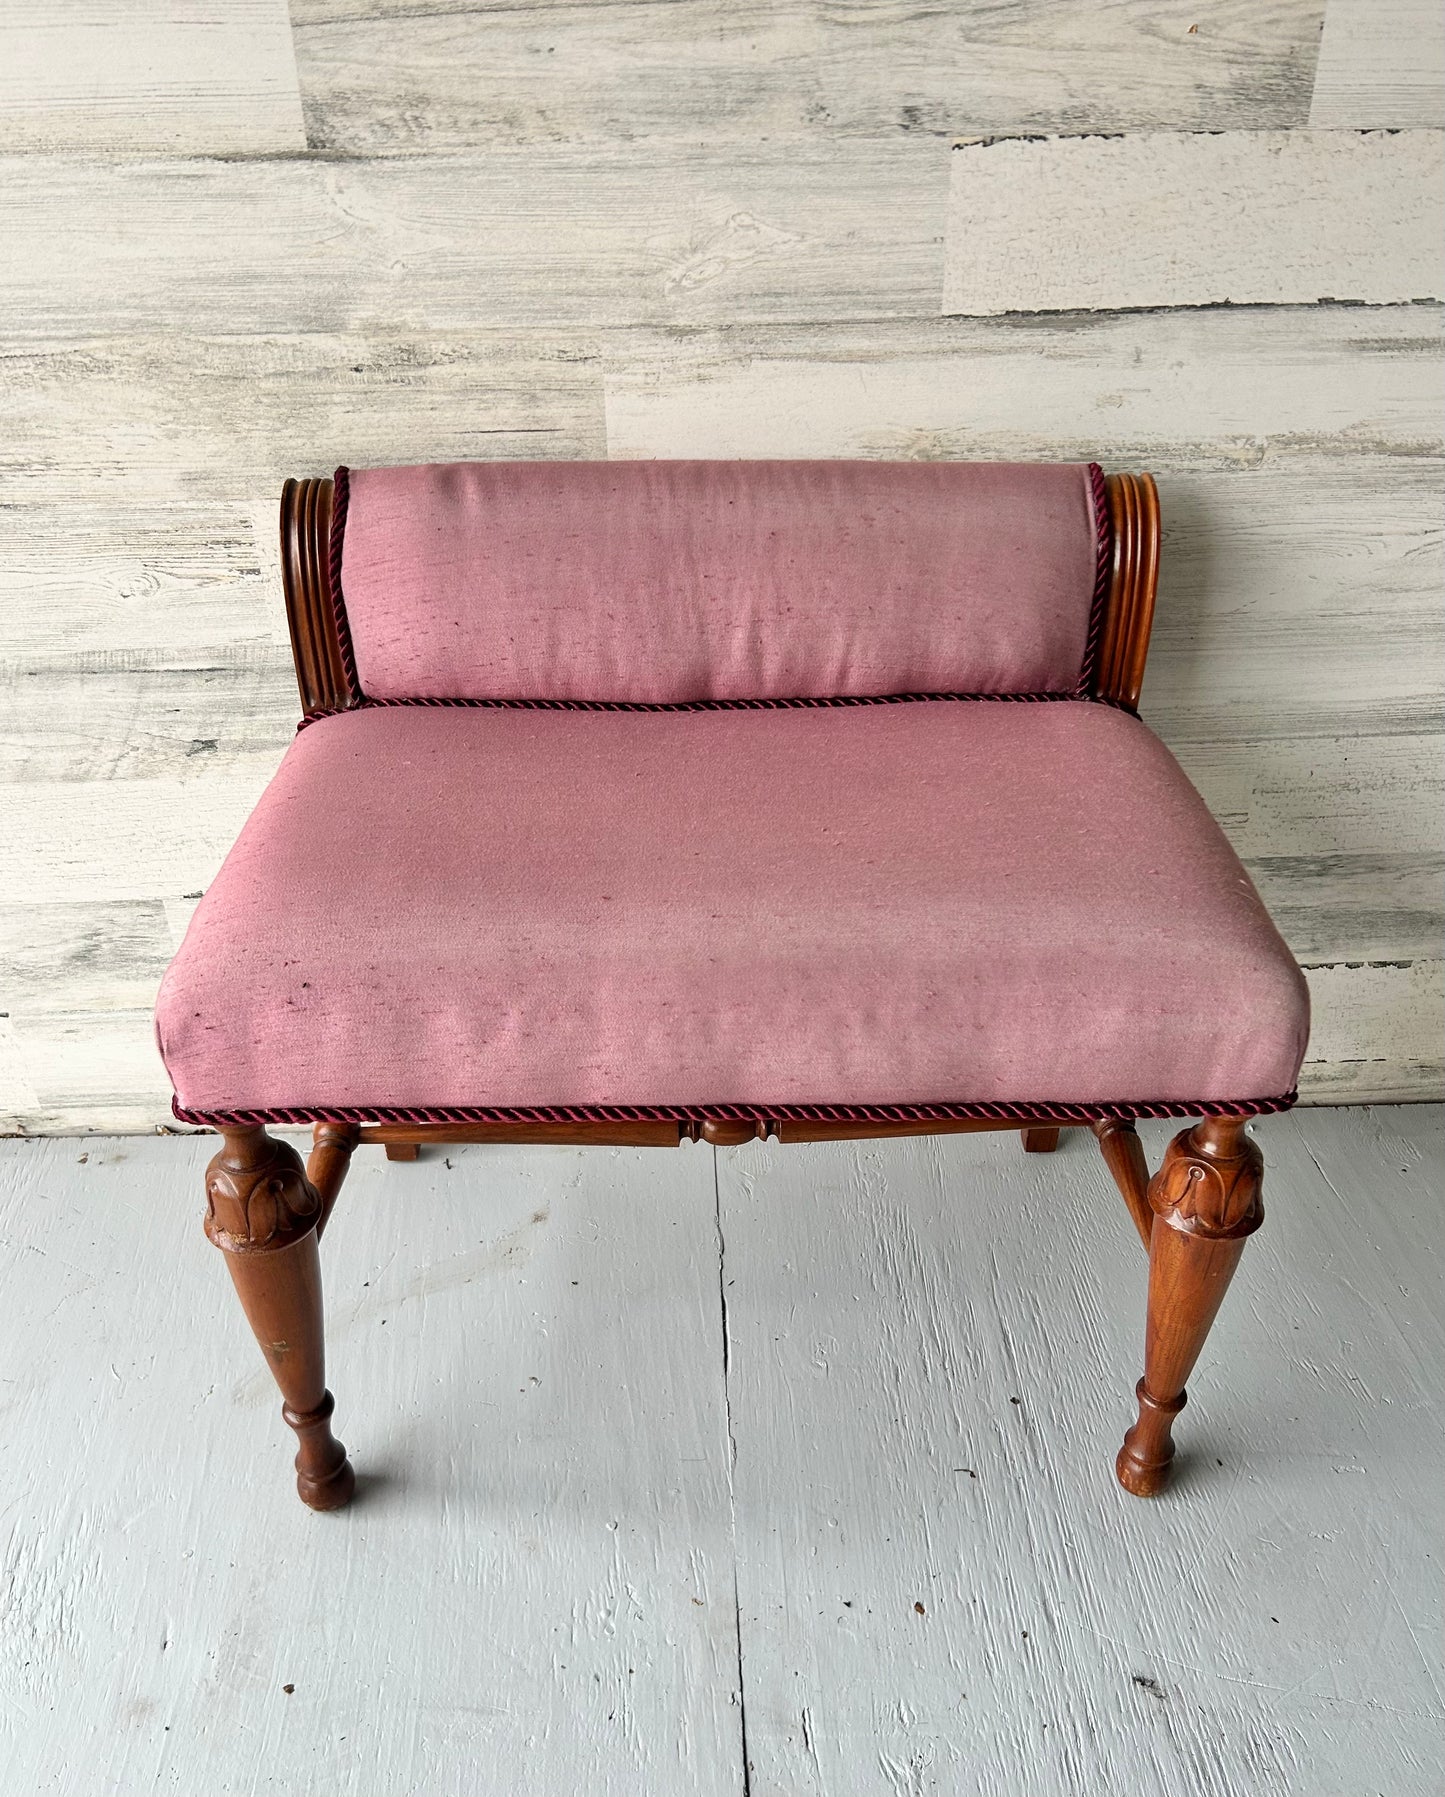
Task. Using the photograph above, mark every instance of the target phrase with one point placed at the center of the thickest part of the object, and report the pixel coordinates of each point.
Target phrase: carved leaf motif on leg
(1209, 1183)
(258, 1197)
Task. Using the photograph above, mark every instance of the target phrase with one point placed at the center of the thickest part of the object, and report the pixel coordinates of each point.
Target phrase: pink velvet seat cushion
(957, 902)
(663, 582)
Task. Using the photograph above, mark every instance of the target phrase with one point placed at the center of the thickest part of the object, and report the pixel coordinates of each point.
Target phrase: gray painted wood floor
(672, 1455)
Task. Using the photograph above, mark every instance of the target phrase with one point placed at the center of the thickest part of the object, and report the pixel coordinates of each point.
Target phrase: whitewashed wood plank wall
(657, 229)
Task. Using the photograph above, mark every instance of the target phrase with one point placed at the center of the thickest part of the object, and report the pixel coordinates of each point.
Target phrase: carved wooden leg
(1205, 1200)
(1040, 1140)
(262, 1212)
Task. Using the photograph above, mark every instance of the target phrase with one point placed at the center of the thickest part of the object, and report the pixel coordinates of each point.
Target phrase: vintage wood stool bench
(644, 801)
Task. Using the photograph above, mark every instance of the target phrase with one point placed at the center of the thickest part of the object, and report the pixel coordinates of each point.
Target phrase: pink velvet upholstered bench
(645, 801)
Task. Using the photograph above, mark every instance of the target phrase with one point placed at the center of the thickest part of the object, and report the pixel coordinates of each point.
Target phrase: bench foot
(1205, 1199)
(262, 1212)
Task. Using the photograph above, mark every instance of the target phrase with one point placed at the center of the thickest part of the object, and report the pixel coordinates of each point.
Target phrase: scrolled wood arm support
(306, 507)
(1133, 502)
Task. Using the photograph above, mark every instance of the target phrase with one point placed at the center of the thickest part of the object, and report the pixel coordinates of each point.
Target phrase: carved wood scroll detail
(1209, 1181)
(258, 1197)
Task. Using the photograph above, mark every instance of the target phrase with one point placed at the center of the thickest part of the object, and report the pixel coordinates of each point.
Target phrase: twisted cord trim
(1123, 1112)
(1103, 568)
(687, 705)
(340, 499)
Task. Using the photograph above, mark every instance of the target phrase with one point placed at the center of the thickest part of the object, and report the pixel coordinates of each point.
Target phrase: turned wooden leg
(1040, 1140)
(262, 1212)
(1124, 1153)
(1205, 1201)
(332, 1145)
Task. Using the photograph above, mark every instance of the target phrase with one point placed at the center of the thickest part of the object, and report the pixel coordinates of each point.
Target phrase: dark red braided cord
(743, 1113)
(340, 499)
(1103, 568)
(830, 701)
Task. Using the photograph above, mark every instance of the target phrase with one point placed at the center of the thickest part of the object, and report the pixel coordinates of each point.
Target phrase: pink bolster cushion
(663, 582)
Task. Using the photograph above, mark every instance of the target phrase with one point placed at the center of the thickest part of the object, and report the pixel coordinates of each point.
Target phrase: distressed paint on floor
(664, 1450)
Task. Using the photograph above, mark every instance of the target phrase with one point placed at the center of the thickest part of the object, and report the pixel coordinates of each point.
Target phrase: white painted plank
(1323, 795)
(1226, 390)
(380, 77)
(1377, 1032)
(540, 237)
(536, 1575)
(77, 724)
(130, 586)
(178, 418)
(1374, 907)
(1298, 599)
(932, 1354)
(175, 75)
(1381, 62)
(1176, 219)
(102, 840)
(91, 1069)
(18, 1098)
(82, 957)
(179, 913)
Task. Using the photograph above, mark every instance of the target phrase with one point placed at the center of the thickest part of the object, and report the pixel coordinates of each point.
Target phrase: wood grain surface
(1381, 62)
(633, 229)
(544, 236)
(379, 76)
(174, 75)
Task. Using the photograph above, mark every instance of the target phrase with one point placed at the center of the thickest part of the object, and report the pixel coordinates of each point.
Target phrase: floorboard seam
(732, 1456)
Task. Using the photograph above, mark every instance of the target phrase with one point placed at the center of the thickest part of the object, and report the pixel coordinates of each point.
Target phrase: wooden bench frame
(267, 1210)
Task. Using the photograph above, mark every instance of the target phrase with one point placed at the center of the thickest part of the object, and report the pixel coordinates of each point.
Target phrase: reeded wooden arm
(1134, 579)
(306, 577)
